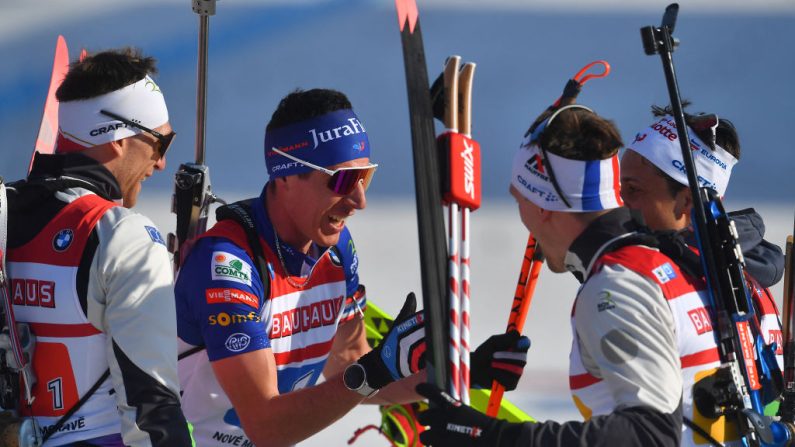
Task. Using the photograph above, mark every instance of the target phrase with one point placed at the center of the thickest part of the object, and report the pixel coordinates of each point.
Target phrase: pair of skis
(447, 355)
(460, 174)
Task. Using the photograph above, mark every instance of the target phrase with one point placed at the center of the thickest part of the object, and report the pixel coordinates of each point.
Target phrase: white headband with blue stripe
(588, 185)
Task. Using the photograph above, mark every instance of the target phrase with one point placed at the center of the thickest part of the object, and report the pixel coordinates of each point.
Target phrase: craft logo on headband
(325, 140)
(659, 144)
(82, 125)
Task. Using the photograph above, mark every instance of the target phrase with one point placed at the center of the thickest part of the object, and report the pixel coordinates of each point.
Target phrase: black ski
(430, 221)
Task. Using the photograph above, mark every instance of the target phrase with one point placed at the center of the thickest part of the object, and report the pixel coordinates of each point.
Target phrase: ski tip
(407, 12)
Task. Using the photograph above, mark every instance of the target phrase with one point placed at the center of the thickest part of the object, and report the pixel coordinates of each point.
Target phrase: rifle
(192, 191)
(787, 408)
(736, 390)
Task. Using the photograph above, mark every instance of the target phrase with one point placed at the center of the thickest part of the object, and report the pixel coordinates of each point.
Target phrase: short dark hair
(578, 134)
(104, 72)
(302, 105)
(725, 137)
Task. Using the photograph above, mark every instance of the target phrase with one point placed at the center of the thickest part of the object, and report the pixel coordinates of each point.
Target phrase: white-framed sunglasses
(342, 180)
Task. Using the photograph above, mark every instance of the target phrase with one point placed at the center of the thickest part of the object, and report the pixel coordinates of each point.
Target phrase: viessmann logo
(221, 296)
(228, 267)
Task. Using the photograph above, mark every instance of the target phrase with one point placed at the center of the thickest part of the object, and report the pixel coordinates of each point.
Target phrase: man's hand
(401, 352)
(456, 425)
(502, 358)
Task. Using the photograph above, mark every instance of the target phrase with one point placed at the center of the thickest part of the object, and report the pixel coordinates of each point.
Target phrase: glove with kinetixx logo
(453, 424)
(402, 351)
(501, 358)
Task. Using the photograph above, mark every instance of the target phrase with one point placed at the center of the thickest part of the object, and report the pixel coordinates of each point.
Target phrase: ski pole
(528, 277)
(465, 79)
(450, 78)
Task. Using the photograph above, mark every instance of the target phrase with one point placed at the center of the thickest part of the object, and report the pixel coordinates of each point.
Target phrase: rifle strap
(701, 432)
(58, 424)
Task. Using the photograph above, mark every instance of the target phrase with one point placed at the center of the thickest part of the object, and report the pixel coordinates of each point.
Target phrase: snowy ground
(386, 239)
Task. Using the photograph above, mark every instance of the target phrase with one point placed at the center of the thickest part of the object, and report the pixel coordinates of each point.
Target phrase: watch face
(354, 376)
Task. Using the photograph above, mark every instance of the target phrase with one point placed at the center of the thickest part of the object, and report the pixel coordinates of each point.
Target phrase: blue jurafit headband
(325, 140)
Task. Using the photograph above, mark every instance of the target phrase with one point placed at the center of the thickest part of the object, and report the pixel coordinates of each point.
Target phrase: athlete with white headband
(91, 277)
(652, 183)
(624, 369)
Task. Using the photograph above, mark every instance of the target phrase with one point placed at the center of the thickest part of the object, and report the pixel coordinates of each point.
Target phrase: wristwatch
(355, 379)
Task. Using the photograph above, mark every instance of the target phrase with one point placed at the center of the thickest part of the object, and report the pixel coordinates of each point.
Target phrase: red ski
(48, 131)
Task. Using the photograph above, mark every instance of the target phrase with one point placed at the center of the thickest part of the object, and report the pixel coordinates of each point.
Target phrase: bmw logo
(62, 240)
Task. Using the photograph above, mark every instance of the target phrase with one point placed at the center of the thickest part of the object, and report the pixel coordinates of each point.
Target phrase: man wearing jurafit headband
(653, 183)
(90, 277)
(275, 314)
(625, 370)
(271, 328)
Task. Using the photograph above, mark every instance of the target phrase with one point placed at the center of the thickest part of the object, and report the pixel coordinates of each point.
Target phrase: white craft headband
(659, 144)
(588, 185)
(81, 125)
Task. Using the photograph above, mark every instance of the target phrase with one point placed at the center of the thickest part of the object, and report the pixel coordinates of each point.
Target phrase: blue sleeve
(355, 296)
(350, 261)
(220, 300)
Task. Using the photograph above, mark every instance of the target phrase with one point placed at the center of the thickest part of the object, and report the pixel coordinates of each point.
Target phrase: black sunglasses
(164, 140)
(534, 140)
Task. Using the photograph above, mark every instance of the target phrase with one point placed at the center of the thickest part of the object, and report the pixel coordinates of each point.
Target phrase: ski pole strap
(58, 424)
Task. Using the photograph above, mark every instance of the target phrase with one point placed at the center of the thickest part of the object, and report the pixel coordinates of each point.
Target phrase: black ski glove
(502, 358)
(456, 425)
(402, 351)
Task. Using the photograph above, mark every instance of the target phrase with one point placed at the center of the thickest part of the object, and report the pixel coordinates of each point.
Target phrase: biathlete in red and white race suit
(653, 182)
(92, 278)
(268, 339)
(625, 370)
(230, 316)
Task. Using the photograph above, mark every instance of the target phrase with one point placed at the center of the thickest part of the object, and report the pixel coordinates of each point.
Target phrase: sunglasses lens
(344, 182)
(165, 143)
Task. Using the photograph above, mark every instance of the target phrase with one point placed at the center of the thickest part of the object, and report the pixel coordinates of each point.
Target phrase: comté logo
(701, 320)
(219, 296)
(33, 292)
